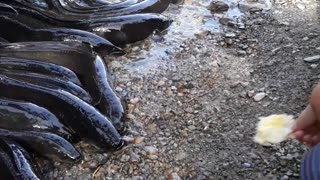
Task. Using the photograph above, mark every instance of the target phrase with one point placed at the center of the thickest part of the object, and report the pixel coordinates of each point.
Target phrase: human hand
(307, 127)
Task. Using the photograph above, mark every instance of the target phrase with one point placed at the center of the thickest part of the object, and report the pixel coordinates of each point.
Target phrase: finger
(307, 139)
(305, 119)
(298, 135)
(315, 101)
(315, 140)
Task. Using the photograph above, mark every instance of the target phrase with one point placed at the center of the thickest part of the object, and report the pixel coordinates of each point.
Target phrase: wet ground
(196, 90)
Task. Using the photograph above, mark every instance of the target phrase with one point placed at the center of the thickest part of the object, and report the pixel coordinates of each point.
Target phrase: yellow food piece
(274, 129)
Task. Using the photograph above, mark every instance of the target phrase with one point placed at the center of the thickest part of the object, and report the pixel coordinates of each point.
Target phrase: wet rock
(174, 176)
(312, 59)
(251, 6)
(218, 6)
(259, 96)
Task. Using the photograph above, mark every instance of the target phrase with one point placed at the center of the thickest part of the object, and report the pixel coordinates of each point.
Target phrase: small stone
(312, 59)
(150, 150)
(229, 41)
(241, 53)
(259, 96)
(152, 156)
(134, 101)
(134, 157)
(92, 165)
(124, 158)
(161, 83)
(313, 66)
(128, 139)
(251, 7)
(230, 35)
(184, 133)
(251, 93)
(138, 140)
(285, 177)
(180, 156)
(174, 176)
(218, 6)
(246, 165)
(130, 116)
(116, 64)
(275, 50)
(305, 38)
(192, 127)
(119, 89)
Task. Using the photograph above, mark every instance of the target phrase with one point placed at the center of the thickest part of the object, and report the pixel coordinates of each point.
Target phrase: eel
(49, 82)
(126, 29)
(72, 7)
(24, 116)
(39, 67)
(110, 104)
(75, 56)
(16, 163)
(7, 9)
(145, 6)
(99, 44)
(47, 145)
(76, 114)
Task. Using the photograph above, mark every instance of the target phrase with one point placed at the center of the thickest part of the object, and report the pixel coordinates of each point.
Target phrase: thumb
(305, 119)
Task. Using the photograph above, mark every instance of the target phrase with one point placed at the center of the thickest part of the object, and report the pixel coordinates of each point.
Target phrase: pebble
(251, 93)
(246, 165)
(230, 35)
(128, 139)
(259, 96)
(134, 157)
(174, 176)
(285, 177)
(229, 41)
(138, 140)
(192, 127)
(241, 53)
(312, 59)
(218, 6)
(180, 156)
(152, 156)
(161, 83)
(150, 150)
(130, 116)
(134, 101)
(313, 66)
(119, 89)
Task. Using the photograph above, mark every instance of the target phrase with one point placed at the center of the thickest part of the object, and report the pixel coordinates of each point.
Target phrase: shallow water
(190, 19)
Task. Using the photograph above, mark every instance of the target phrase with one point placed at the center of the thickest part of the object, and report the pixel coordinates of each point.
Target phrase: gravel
(194, 111)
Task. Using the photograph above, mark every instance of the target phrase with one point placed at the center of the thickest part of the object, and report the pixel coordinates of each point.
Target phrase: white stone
(259, 96)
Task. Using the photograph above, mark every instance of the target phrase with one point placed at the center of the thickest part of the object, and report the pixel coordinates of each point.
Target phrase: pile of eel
(55, 88)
